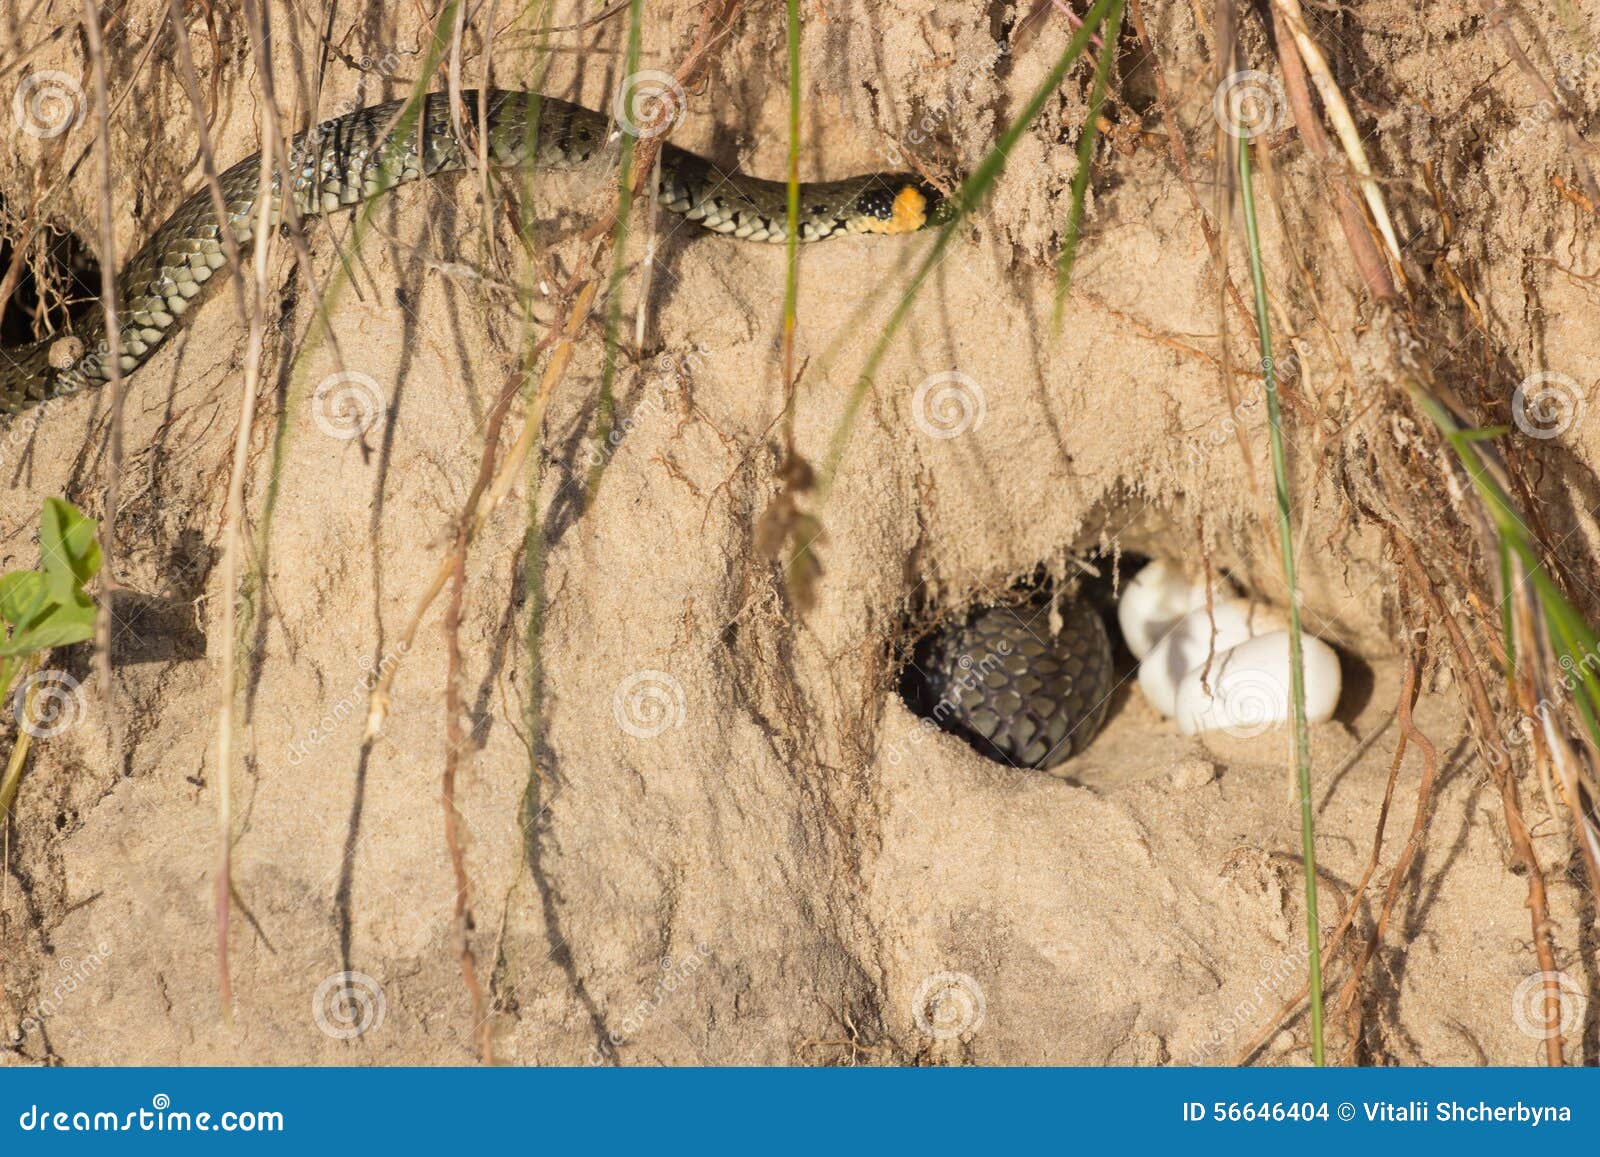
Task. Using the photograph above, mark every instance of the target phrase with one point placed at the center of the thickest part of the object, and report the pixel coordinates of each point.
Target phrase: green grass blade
(1297, 672)
(1086, 143)
(962, 203)
(1571, 634)
(606, 407)
(791, 277)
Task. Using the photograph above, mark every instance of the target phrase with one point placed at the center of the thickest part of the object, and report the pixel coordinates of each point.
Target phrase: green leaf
(23, 594)
(57, 630)
(48, 607)
(68, 549)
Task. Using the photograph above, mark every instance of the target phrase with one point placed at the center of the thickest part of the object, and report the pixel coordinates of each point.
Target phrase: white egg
(1155, 599)
(1197, 636)
(1246, 690)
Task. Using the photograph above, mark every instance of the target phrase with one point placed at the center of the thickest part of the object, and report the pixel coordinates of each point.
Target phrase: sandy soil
(785, 867)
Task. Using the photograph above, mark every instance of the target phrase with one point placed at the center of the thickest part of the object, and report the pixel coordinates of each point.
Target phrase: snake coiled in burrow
(1038, 695)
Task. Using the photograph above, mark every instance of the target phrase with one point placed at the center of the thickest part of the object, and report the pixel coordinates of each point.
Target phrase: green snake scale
(345, 161)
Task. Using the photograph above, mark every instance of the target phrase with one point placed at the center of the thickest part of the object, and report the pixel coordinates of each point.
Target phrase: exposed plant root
(1499, 764)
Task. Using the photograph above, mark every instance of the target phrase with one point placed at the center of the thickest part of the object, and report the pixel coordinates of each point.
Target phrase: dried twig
(480, 504)
(233, 514)
(1344, 125)
(715, 25)
(114, 399)
(1374, 269)
(1495, 757)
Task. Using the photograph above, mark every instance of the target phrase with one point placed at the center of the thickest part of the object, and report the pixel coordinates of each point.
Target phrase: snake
(1046, 688)
(1026, 683)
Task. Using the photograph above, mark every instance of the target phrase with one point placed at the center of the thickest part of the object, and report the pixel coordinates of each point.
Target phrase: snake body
(1022, 686)
(1038, 696)
(345, 161)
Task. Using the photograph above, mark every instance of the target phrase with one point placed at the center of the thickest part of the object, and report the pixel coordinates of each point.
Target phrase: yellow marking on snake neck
(908, 214)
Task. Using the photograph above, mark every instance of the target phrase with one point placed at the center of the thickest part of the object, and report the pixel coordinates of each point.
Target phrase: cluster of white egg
(1220, 664)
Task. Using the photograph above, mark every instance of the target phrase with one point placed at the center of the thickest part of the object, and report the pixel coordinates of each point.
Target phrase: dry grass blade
(1344, 125)
(233, 516)
(1352, 221)
(1494, 755)
(113, 361)
(481, 504)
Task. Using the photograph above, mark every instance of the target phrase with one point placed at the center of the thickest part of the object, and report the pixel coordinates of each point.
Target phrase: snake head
(902, 204)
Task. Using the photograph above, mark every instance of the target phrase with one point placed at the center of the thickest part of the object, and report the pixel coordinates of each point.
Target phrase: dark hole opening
(947, 676)
(71, 286)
